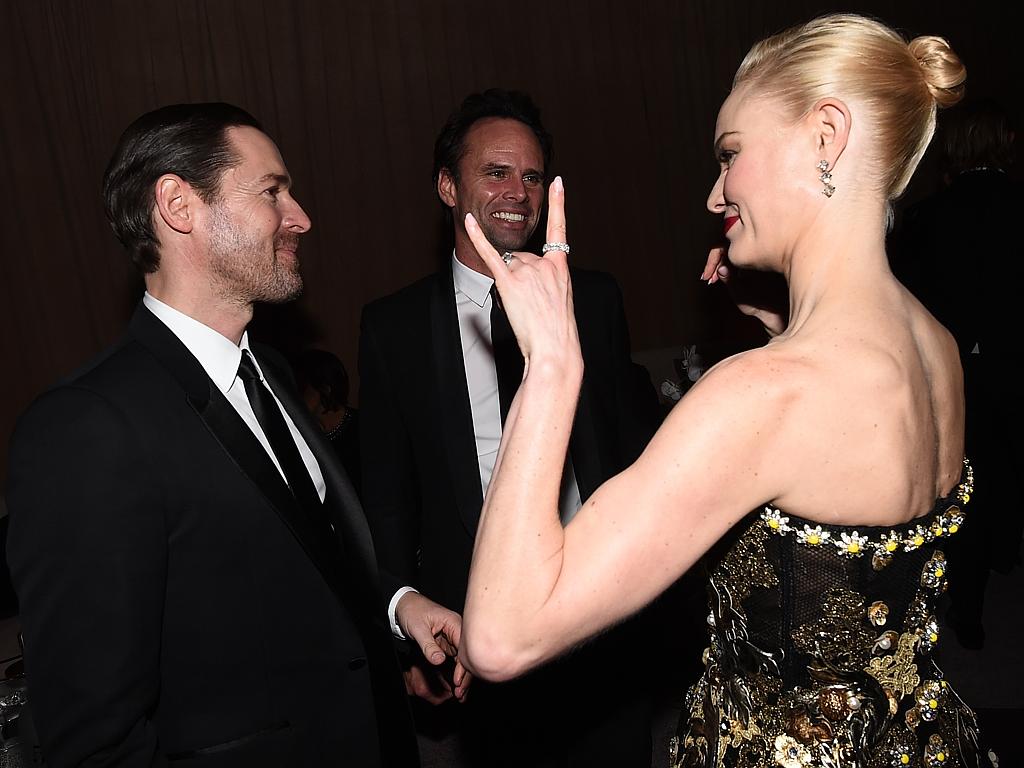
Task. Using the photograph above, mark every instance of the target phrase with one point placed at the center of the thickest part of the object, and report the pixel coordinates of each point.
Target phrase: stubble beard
(246, 270)
(507, 241)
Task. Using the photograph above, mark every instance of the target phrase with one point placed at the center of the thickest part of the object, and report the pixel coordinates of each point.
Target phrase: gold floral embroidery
(897, 672)
(878, 613)
(862, 699)
(746, 565)
(839, 638)
(936, 753)
(934, 572)
(790, 753)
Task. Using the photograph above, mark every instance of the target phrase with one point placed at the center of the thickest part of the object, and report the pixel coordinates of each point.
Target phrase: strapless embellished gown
(821, 644)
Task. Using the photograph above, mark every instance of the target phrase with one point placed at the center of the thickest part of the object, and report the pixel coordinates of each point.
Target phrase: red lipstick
(729, 221)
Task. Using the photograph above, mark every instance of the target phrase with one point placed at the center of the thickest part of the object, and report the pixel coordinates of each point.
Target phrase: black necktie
(268, 414)
(508, 360)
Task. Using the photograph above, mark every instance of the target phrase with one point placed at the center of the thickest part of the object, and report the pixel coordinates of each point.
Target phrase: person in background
(323, 382)
(438, 368)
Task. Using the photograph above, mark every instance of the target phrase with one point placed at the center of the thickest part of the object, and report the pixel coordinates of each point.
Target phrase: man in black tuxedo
(196, 577)
(438, 368)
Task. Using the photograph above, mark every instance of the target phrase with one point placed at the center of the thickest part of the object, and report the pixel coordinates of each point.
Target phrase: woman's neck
(840, 259)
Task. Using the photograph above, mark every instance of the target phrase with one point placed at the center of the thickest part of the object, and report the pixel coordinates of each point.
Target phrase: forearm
(518, 554)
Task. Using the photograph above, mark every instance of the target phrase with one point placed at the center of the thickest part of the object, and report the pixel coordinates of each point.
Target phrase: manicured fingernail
(559, 187)
(470, 221)
(437, 658)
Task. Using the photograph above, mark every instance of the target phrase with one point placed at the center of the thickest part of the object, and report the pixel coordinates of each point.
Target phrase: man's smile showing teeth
(505, 216)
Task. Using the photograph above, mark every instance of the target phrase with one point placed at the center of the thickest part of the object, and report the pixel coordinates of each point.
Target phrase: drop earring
(826, 179)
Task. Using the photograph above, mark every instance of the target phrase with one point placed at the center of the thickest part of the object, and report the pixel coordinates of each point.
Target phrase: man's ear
(174, 201)
(830, 121)
(446, 188)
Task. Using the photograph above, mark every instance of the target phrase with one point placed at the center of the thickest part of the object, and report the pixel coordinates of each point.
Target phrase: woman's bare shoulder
(779, 368)
(748, 401)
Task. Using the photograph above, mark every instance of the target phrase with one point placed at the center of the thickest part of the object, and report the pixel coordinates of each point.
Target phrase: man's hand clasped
(437, 631)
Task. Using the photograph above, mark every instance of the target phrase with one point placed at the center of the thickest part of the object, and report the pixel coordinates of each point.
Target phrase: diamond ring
(564, 247)
(507, 257)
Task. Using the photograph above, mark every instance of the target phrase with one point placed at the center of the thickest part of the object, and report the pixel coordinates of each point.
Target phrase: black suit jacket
(177, 604)
(421, 480)
(421, 489)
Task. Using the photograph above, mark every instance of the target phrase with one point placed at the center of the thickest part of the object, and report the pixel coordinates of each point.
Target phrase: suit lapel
(341, 504)
(584, 447)
(237, 440)
(456, 417)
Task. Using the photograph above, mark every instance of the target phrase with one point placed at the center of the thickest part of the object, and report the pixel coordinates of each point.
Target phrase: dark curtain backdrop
(354, 92)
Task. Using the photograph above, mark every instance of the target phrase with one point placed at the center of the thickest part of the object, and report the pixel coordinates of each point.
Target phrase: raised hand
(535, 291)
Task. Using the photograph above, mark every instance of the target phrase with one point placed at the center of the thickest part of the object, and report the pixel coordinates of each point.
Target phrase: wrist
(556, 370)
(393, 610)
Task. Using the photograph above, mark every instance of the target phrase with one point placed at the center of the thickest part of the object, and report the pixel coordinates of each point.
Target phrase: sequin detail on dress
(820, 649)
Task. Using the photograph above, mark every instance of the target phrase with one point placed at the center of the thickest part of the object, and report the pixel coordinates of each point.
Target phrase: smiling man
(196, 578)
(438, 368)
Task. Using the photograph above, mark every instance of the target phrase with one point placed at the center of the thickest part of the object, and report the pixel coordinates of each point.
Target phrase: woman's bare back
(878, 434)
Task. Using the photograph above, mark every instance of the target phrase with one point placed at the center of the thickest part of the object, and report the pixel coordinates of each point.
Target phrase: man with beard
(196, 577)
(438, 367)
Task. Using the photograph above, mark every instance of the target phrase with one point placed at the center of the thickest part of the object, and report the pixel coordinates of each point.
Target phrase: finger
(431, 650)
(490, 256)
(715, 257)
(446, 645)
(556, 231)
(430, 690)
(462, 683)
(434, 694)
(453, 629)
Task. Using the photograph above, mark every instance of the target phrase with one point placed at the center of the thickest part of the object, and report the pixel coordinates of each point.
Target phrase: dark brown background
(354, 93)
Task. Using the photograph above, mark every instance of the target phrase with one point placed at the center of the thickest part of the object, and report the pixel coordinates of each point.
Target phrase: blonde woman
(844, 435)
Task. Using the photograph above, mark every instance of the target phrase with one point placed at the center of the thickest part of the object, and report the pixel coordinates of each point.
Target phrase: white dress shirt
(473, 303)
(220, 359)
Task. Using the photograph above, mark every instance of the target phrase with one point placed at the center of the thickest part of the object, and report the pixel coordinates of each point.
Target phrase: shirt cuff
(395, 629)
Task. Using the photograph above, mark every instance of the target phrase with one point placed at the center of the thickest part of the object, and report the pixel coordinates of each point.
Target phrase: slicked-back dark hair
(189, 140)
(450, 145)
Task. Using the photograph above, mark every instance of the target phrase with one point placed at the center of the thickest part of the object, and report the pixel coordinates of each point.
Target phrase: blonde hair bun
(944, 73)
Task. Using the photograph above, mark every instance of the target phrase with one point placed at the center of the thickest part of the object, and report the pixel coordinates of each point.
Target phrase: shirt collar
(217, 354)
(470, 283)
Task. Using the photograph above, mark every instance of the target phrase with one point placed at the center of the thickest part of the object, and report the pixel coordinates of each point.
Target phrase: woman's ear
(830, 121)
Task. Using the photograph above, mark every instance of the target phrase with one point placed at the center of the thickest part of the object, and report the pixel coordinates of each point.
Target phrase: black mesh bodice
(820, 648)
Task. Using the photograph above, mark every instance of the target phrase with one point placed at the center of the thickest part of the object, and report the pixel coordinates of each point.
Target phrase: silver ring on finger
(507, 257)
(563, 247)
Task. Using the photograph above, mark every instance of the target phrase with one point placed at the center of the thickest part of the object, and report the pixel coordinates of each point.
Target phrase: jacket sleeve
(87, 552)
(637, 406)
(389, 493)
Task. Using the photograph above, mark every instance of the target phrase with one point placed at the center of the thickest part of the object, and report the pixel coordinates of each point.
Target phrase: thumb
(428, 645)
